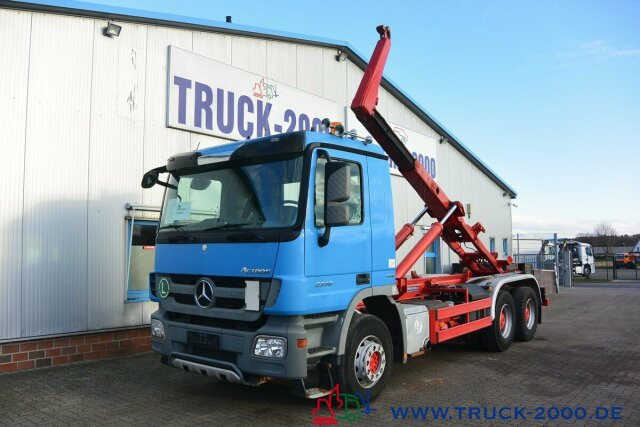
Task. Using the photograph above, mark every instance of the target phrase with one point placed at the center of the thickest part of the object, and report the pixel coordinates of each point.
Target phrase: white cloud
(600, 51)
(569, 228)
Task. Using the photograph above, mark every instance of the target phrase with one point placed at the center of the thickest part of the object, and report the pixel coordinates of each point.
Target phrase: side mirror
(337, 182)
(150, 179)
(337, 190)
(336, 214)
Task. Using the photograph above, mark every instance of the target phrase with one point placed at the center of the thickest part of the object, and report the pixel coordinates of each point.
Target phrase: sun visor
(293, 143)
(183, 160)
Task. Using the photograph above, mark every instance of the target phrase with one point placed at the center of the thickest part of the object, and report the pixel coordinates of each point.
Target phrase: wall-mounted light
(112, 30)
(443, 140)
(469, 210)
(341, 56)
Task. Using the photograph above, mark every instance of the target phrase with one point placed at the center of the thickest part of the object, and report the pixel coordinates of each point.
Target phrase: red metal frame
(450, 322)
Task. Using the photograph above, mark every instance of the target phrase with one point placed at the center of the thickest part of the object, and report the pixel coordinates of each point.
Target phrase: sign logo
(203, 295)
(401, 134)
(265, 90)
(163, 288)
(209, 97)
(255, 270)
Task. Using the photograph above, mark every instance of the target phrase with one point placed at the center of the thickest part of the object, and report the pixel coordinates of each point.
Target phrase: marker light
(337, 129)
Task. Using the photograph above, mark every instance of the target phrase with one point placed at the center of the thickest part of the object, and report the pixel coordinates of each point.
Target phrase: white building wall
(115, 162)
(84, 115)
(15, 28)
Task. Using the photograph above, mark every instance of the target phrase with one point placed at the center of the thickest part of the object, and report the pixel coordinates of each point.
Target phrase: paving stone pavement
(586, 354)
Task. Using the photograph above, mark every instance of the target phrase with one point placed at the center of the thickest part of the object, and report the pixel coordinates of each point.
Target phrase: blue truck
(276, 259)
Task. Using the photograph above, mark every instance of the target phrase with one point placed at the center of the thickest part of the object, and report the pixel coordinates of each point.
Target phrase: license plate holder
(203, 339)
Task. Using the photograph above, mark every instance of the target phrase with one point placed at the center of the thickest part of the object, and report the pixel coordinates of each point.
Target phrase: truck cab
(262, 247)
(582, 258)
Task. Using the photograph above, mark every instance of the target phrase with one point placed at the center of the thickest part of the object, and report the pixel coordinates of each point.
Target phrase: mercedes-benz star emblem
(204, 293)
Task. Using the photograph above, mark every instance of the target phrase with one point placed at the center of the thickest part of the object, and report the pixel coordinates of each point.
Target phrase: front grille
(228, 292)
(246, 326)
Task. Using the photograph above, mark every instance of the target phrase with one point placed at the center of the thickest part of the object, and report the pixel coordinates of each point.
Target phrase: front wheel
(586, 271)
(368, 357)
(499, 336)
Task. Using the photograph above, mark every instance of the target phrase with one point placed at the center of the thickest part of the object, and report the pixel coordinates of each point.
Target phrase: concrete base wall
(18, 356)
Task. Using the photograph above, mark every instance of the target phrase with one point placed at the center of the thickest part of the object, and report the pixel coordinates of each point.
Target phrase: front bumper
(233, 358)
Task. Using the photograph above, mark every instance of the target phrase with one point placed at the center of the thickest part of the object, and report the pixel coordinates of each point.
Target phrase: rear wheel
(499, 336)
(368, 357)
(472, 340)
(526, 313)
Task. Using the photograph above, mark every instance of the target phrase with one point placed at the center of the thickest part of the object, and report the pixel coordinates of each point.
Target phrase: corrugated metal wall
(83, 116)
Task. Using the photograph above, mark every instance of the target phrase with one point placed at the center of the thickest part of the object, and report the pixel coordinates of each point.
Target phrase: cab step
(320, 351)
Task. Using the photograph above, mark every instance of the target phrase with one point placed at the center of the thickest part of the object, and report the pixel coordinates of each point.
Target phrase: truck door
(338, 270)
(590, 260)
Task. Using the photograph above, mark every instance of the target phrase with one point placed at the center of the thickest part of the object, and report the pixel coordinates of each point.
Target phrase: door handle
(363, 279)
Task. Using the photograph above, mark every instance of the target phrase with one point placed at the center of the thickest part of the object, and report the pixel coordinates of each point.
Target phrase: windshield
(257, 196)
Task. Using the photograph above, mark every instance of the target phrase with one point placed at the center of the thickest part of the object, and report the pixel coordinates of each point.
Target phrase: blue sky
(547, 93)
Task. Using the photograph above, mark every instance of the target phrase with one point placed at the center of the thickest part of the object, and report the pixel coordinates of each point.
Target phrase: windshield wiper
(174, 226)
(230, 225)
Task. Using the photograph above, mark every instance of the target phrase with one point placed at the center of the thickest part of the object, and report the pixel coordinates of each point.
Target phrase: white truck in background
(582, 258)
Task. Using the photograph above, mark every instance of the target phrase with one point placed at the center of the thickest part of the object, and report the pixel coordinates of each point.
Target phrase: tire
(499, 336)
(526, 313)
(473, 341)
(586, 271)
(368, 347)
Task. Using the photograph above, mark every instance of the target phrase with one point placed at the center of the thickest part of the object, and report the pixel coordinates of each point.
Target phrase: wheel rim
(369, 362)
(506, 321)
(529, 314)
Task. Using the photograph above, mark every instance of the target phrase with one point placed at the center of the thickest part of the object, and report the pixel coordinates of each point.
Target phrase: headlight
(273, 347)
(157, 329)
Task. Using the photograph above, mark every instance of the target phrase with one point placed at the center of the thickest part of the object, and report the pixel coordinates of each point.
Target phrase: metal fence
(608, 269)
(528, 249)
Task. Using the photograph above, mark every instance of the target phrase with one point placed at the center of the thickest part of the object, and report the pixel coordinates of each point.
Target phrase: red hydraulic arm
(449, 215)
